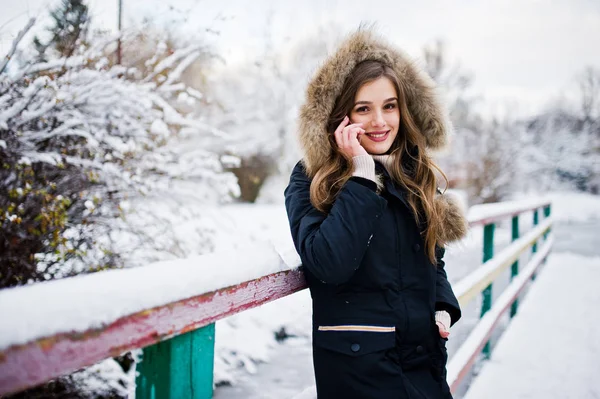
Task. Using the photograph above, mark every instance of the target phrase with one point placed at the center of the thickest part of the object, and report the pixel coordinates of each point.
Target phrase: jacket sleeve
(331, 246)
(445, 298)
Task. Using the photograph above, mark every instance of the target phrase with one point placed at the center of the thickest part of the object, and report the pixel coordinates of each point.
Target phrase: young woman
(370, 225)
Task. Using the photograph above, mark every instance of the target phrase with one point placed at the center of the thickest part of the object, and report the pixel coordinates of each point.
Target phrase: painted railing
(177, 335)
(480, 281)
(177, 332)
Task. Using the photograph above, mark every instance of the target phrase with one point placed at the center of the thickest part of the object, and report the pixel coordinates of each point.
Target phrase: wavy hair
(412, 168)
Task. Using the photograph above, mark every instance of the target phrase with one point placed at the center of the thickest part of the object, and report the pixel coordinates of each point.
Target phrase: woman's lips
(378, 136)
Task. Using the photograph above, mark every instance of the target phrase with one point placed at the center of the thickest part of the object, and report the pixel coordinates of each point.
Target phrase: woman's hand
(444, 333)
(443, 321)
(347, 138)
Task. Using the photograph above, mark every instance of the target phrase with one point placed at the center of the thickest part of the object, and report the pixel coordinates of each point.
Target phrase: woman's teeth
(377, 135)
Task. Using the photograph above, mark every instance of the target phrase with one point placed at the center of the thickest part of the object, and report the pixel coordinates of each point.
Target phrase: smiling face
(376, 107)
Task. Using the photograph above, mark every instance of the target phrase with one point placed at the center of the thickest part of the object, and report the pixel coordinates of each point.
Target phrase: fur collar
(454, 225)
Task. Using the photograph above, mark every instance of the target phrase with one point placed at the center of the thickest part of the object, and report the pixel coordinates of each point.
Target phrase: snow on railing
(485, 214)
(53, 328)
(169, 309)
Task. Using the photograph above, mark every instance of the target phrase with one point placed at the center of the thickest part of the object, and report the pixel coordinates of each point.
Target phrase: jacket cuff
(443, 317)
(455, 313)
(365, 182)
(364, 166)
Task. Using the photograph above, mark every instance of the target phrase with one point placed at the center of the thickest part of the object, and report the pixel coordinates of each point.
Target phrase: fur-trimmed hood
(326, 85)
(422, 101)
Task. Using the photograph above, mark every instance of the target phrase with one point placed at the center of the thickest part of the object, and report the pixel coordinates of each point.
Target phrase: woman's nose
(378, 120)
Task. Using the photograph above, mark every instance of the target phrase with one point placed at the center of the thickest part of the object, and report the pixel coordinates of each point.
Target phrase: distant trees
(565, 139)
(481, 156)
(70, 21)
(258, 103)
(490, 157)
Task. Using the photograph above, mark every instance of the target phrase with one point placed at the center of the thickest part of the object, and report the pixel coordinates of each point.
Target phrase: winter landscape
(145, 148)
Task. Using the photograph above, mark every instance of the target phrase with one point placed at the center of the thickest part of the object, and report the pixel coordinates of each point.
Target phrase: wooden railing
(177, 334)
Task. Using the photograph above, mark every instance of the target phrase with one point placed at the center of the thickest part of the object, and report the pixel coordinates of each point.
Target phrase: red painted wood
(467, 368)
(31, 364)
(505, 215)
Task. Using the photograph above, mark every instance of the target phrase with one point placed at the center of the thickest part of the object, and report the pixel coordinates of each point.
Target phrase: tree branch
(15, 43)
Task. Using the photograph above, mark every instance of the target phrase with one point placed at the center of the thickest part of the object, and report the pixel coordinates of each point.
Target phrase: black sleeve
(331, 246)
(445, 298)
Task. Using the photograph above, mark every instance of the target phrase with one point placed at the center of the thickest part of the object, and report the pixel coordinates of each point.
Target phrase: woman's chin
(379, 149)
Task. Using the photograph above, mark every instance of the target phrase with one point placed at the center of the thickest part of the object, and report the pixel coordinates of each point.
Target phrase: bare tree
(589, 86)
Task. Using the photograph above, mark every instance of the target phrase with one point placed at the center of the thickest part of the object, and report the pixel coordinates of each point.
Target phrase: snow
(567, 206)
(486, 325)
(160, 128)
(308, 393)
(551, 349)
(574, 207)
(105, 379)
(88, 301)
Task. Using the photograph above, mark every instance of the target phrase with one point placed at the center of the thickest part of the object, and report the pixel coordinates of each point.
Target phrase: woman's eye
(362, 109)
(390, 106)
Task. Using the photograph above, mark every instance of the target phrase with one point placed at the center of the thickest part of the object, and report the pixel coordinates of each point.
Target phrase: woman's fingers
(342, 125)
(347, 136)
(354, 133)
(345, 141)
(339, 132)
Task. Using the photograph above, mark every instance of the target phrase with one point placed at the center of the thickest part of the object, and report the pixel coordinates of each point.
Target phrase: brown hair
(412, 167)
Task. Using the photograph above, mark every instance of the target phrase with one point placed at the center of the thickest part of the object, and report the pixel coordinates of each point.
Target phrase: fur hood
(327, 83)
(422, 101)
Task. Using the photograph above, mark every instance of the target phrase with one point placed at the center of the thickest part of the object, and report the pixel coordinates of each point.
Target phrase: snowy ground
(285, 369)
(551, 349)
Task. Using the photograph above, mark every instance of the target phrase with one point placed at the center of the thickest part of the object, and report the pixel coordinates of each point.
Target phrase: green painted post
(181, 367)
(546, 215)
(514, 270)
(536, 221)
(488, 253)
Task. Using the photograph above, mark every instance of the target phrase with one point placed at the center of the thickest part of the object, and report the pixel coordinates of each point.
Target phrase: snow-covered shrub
(93, 158)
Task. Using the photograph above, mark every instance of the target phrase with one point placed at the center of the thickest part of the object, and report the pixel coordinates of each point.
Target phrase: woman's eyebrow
(370, 102)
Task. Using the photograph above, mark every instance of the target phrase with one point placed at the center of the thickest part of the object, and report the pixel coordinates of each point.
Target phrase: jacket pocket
(439, 359)
(355, 339)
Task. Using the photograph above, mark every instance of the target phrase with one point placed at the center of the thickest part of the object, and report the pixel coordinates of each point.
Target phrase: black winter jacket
(374, 290)
(373, 287)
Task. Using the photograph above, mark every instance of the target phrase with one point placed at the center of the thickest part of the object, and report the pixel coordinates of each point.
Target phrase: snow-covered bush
(87, 151)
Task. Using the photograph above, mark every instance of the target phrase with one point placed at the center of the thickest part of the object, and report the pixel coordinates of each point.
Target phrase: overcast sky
(523, 53)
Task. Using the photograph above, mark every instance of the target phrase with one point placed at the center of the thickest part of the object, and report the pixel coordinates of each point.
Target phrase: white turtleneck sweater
(364, 166)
